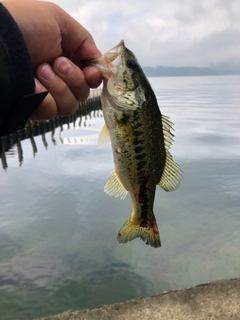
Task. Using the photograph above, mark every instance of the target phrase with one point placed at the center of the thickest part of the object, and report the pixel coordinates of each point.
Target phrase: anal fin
(114, 187)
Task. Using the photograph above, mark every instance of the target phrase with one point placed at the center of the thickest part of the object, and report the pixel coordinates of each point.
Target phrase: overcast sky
(164, 32)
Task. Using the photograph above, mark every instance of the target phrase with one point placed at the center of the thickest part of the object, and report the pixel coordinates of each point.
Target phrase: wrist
(17, 85)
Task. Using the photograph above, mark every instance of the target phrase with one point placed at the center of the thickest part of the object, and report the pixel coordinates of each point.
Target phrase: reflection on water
(58, 229)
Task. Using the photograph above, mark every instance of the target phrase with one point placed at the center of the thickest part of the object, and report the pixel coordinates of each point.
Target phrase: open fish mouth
(110, 61)
(112, 54)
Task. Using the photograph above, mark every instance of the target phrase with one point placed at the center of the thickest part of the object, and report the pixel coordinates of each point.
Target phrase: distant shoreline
(196, 75)
(161, 71)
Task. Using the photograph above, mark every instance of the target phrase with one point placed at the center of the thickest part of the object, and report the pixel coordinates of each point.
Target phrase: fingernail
(47, 72)
(65, 67)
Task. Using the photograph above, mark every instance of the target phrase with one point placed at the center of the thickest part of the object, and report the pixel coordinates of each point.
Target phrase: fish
(140, 137)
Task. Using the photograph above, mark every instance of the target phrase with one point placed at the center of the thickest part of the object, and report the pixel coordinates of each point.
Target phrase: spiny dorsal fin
(172, 173)
(114, 186)
(104, 137)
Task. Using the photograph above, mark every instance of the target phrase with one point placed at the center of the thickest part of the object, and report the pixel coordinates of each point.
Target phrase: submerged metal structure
(40, 128)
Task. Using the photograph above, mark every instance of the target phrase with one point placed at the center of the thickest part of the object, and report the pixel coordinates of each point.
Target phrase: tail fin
(148, 234)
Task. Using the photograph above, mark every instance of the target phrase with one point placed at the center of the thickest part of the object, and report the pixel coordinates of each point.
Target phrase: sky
(200, 33)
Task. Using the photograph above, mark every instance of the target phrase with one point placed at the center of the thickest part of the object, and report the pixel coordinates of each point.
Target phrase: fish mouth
(110, 61)
(116, 51)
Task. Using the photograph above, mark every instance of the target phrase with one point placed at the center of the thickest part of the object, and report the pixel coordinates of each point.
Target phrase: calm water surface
(58, 229)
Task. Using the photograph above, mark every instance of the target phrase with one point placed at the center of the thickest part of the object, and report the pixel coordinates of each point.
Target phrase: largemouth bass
(140, 138)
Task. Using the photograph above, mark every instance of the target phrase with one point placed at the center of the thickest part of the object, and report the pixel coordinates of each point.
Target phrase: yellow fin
(172, 173)
(114, 186)
(148, 234)
(104, 136)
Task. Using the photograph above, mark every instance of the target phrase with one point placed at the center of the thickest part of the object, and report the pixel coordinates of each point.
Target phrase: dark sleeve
(17, 98)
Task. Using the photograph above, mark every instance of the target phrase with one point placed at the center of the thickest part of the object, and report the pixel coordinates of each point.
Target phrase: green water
(58, 229)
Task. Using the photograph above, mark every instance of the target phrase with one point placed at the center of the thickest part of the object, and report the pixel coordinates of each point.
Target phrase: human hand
(57, 44)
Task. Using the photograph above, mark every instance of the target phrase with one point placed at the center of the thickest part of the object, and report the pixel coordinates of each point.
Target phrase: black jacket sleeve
(17, 98)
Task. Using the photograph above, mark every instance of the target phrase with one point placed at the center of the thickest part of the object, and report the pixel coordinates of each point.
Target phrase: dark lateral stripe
(137, 133)
(138, 149)
(140, 156)
(136, 126)
(141, 165)
(124, 118)
(137, 140)
(143, 197)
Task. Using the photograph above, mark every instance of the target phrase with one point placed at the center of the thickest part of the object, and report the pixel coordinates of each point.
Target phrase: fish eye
(132, 64)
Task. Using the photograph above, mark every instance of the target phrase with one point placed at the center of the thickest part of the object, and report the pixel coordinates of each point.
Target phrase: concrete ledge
(217, 300)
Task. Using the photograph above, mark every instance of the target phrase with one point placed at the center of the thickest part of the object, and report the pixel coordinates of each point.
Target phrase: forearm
(17, 101)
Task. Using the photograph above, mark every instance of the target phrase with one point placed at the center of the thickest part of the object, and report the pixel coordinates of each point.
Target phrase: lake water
(58, 247)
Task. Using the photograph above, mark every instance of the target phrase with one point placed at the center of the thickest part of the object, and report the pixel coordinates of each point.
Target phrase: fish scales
(140, 147)
(134, 158)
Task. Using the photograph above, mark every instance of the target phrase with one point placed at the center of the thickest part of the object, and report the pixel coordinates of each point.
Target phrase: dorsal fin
(172, 173)
(114, 186)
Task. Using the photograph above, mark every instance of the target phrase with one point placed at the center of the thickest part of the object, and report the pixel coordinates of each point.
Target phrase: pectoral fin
(114, 186)
(104, 136)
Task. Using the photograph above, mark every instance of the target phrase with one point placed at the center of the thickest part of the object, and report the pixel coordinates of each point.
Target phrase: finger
(48, 108)
(93, 76)
(73, 76)
(63, 96)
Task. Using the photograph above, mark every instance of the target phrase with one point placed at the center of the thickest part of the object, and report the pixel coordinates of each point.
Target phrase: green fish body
(140, 138)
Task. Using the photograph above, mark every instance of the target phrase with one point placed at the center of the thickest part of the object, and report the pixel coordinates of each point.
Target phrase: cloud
(166, 32)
